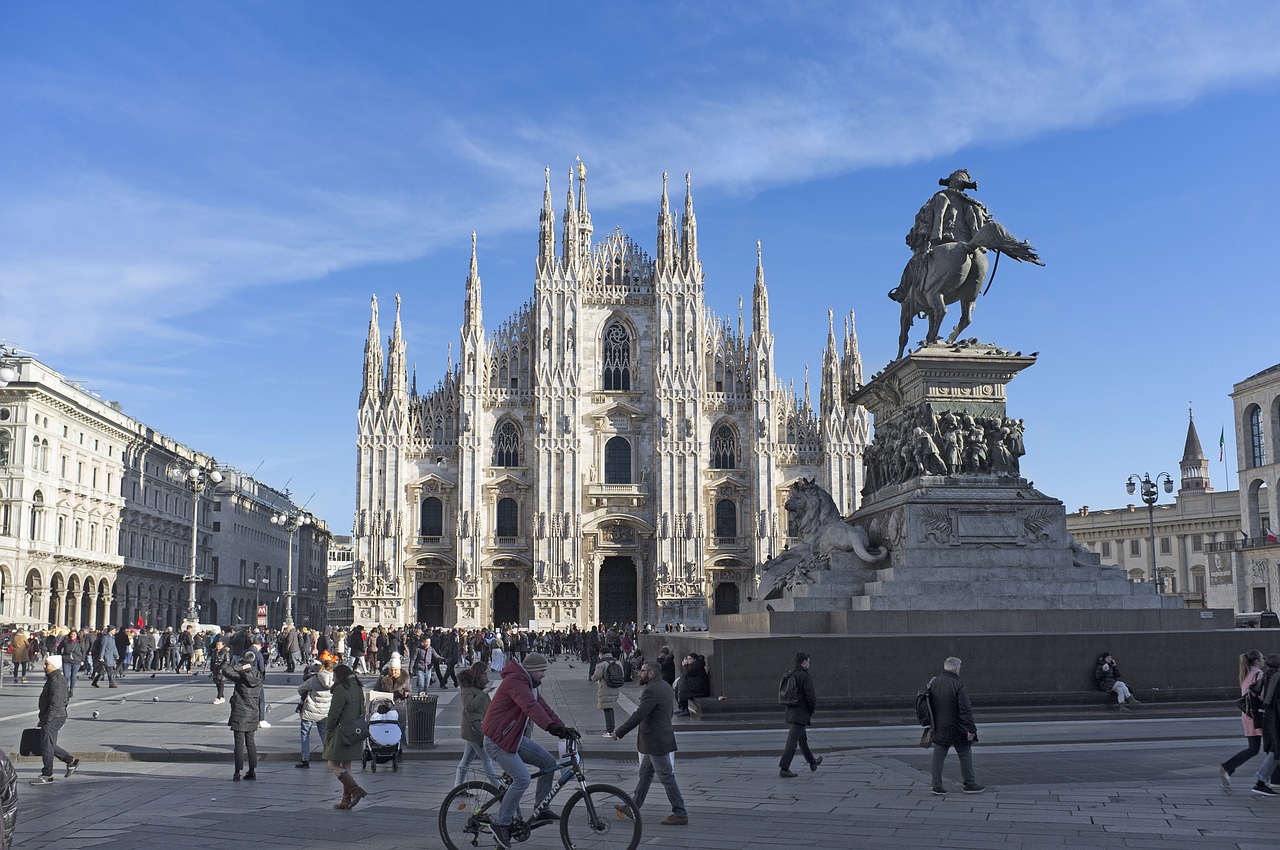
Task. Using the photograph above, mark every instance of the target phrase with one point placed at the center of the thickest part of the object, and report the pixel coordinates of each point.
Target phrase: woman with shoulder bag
(345, 706)
(1270, 728)
(1250, 674)
(475, 702)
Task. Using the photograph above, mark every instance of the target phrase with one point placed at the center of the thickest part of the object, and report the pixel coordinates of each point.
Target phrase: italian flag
(1222, 443)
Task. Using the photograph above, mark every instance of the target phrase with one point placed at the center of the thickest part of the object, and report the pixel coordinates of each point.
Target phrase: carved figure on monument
(822, 532)
(949, 240)
(926, 455)
(975, 446)
(952, 441)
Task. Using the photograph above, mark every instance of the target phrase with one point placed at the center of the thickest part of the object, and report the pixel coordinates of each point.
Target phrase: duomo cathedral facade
(611, 452)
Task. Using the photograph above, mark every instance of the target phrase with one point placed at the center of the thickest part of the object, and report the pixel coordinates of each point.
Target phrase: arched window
(37, 515)
(726, 518)
(724, 448)
(4, 448)
(616, 358)
(508, 518)
(1257, 445)
(432, 517)
(506, 444)
(617, 461)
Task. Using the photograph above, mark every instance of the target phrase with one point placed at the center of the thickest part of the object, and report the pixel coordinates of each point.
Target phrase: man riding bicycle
(507, 742)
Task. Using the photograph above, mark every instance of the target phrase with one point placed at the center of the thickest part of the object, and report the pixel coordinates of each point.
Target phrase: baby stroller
(383, 743)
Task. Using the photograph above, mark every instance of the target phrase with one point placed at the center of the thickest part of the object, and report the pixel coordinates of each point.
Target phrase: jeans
(530, 752)
(307, 725)
(965, 752)
(49, 749)
(470, 751)
(1269, 773)
(1121, 690)
(19, 665)
(665, 767)
(608, 719)
(245, 741)
(1254, 747)
(421, 676)
(262, 701)
(798, 736)
(71, 668)
(104, 668)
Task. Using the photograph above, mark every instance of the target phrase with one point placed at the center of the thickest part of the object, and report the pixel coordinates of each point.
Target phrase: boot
(354, 793)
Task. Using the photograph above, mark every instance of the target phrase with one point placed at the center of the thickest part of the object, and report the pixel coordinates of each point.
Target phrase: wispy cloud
(122, 247)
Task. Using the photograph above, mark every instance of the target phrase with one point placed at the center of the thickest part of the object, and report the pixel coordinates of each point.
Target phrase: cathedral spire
(547, 231)
(829, 396)
(852, 355)
(689, 228)
(395, 386)
(584, 217)
(759, 299)
(569, 242)
(666, 232)
(371, 388)
(1195, 468)
(741, 335)
(472, 318)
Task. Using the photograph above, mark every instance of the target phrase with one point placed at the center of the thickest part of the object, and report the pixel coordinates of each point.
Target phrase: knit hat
(536, 662)
(249, 657)
(394, 661)
(54, 661)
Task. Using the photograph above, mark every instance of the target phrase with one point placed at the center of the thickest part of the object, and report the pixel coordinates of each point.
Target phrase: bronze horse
(954, 271)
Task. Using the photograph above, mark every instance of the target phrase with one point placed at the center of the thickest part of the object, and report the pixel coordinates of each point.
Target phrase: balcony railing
(1241, 543)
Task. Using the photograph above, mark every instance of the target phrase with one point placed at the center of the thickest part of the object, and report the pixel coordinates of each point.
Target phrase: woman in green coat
(347, 705)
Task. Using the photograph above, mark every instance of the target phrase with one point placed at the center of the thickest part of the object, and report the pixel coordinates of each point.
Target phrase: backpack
(1250, 703)
(613, 675)
(789, 690)
(924, 711)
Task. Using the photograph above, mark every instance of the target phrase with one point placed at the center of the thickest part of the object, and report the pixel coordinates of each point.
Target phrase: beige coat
(606, 697)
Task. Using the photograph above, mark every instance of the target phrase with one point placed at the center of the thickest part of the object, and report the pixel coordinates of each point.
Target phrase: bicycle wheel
(465, 813)
(605, 818)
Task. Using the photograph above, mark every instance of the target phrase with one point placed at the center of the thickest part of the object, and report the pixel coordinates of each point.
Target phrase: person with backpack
(802, 702)
(1250, 681)
(609, 679)
(953, 726)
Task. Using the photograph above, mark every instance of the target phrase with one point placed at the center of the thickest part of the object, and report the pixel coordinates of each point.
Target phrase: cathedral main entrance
(431, 604)
(506, 604)
(726, 598)
(618, 590)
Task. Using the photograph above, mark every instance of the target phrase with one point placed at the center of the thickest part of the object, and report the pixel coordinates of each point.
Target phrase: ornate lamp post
(195, 475)
(1151, 495)
(290, 521)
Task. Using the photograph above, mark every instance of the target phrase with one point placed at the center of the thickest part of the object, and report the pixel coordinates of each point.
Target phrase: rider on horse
(949, 216)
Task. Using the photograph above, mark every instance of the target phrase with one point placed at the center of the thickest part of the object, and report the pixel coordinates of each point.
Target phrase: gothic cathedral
(612, 452)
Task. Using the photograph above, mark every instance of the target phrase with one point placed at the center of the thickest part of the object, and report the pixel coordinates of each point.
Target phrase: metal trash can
(422, 721)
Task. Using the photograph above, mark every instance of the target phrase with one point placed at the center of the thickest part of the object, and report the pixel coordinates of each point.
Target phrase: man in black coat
(656, 743)
(953, 726)
(799, 716)
(53, 715)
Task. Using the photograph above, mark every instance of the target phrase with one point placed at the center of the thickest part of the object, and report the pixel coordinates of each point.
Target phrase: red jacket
(513, 701)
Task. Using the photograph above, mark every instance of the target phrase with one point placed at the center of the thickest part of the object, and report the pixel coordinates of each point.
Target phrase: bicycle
(596, 816)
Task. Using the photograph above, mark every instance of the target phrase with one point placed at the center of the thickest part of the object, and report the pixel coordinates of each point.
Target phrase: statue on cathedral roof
(949, 239)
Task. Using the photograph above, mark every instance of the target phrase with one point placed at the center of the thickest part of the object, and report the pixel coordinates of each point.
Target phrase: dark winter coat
(475, 702)
(54, 698)
(667, 668)
(652, 719)
(1106, 675)
(952, 712)
(803, 712)
(245, 697)
(694, 681)
(347, 704)
(1271, 719)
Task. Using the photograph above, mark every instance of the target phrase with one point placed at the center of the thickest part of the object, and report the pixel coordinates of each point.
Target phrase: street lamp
(291, 521)
(194, 475)
(1150, 495)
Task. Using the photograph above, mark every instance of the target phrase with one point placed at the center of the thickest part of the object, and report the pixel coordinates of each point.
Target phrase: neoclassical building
(611, 452)
(93, 529)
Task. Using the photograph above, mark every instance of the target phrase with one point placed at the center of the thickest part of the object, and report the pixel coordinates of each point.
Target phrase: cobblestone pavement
(156, 774)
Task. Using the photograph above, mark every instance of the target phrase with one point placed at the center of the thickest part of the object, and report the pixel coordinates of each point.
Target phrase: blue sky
(199, 198)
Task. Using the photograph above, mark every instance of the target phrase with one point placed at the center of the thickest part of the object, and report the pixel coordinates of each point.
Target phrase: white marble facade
(611, 452)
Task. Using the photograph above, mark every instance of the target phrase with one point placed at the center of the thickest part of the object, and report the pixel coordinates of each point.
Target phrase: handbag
(926, 737)
(30, 743)
(354, 731)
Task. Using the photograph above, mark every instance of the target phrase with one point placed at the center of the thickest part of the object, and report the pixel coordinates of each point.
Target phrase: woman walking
(475, 702)
(1270, 701)
(244, 713)
(347, 704)
(317, 696)
(1250, 673)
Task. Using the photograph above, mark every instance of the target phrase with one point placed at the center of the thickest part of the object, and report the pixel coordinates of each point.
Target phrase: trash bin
(422, 721)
